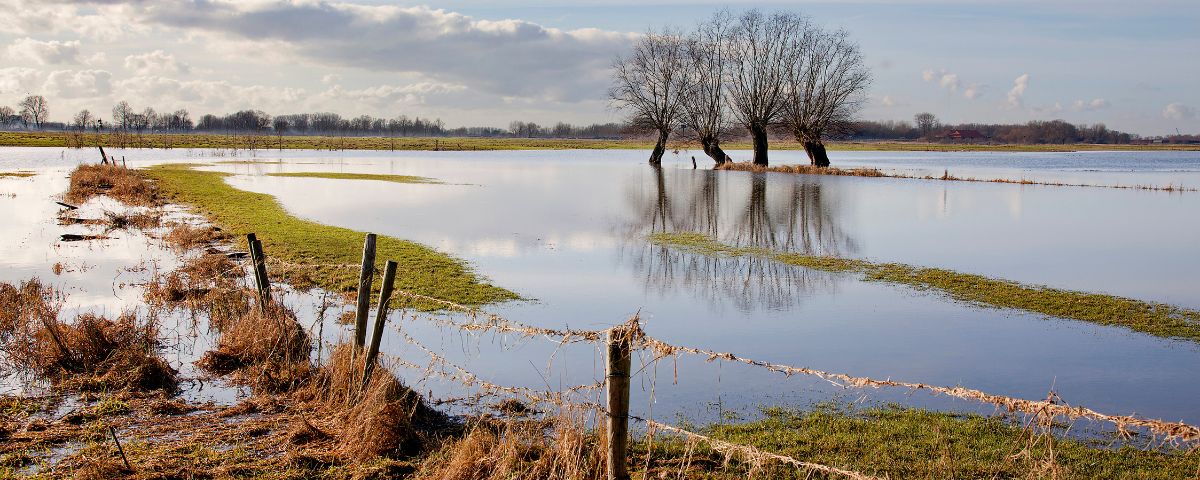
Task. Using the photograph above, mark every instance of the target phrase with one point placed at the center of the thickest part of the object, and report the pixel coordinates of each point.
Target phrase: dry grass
(129, 186)
(91, 354)
(208, 284)
(267, 349)
(184, 237)
(127, 220)
(557, 448)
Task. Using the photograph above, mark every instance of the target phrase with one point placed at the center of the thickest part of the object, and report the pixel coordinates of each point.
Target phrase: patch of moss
(357, 176)
(1146, 317)
(301, 242)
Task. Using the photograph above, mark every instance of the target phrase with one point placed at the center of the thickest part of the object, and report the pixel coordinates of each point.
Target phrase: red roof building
(964, 135)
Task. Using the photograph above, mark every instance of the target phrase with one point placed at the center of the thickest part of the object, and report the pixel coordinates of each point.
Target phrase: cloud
(887, 101)
(331, 79)
(1178, 111)
(383, 96)
(51, 52)
(1055, 109)
(19, 80)
(1016, 96)
(974, 91)
(212, 95)
(1095, 104)
(156, 62)
(506, 57)
(78, 83)
(104, 20)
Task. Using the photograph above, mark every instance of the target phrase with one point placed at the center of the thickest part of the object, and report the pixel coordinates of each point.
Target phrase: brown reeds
(129, 186)
(267, 347)
(183, 237)
(207, 284)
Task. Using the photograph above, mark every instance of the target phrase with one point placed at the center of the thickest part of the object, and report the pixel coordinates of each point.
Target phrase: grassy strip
(896, 442)
(876, 173)
(1153, 318)
(357, 176)
(16, 174)
(314, 142)
(293, 240)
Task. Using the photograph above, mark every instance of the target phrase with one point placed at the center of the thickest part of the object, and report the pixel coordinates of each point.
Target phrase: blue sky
(1130, 66)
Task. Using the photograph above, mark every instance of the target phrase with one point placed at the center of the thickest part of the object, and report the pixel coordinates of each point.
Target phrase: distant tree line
(925, 126)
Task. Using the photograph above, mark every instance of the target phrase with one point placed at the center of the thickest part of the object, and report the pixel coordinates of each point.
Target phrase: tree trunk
(759, 134)
(816, 153)
(712, 148)
(659, 148)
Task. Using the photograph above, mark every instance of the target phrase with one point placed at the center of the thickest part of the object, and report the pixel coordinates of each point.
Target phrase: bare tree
(649, 84)
(280, 125)
(756, 76)
(825, 89)
(122, 113)
(6, 115)
(34, 110)
(83, 120)
(926, 122)
(704, 98)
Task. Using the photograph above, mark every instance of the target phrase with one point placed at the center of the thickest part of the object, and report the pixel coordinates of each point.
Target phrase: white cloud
(78, 83)
(331, 79)
(51, 52)
(888, 101)
(1016, 96)
(155, 63)
(18, 80)
(974, 91)
(1085, 106)
(383, 96)
(1178, 111)
(211, 95)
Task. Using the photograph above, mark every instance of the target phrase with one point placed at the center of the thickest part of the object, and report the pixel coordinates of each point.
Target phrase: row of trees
(761, 72)
(926, 126)
(32, 112)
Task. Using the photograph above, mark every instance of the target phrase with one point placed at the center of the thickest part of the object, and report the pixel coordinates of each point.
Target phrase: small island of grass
(357, 176)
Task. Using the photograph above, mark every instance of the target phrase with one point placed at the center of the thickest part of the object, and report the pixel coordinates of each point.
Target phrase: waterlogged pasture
(569, 230)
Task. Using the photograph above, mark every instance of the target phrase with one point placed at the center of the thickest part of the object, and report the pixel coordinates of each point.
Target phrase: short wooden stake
(259, 265)
(618, 403)
(364, 291)
(112, 431)
(385, 293)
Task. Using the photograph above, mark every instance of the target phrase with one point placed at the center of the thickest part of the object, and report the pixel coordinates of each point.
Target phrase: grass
(1146, 317)
(357, 176)
(301, 242)
(897, 442)
(16, 174)
(313, 142)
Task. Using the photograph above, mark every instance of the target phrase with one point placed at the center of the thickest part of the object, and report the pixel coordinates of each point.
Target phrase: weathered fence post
(618, 402)
(259, 264)
(364, 291)
(385, 293)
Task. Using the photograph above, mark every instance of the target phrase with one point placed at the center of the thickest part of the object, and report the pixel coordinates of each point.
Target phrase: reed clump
(266, 346)
(127, 220)
(129, 186)
(93, 353)
(183, 237)
(207, 284)
(560, 447)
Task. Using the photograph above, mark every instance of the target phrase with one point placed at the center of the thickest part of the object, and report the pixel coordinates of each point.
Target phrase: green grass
(315, 142)
(296, 241)
(357, 176)
(1152, 318)
(906, 443)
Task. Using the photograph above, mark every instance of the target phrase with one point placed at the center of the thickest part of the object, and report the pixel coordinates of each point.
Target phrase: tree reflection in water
(803, 219)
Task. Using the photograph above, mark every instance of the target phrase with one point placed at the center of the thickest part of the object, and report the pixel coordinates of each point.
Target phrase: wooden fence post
(385, 293)
(618, 403)
(259, 264)
(364, 291)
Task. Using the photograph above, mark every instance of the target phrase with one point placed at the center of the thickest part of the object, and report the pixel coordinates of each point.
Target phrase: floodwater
(567, 230)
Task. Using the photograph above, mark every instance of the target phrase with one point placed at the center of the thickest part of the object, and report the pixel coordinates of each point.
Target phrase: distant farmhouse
(963, 135)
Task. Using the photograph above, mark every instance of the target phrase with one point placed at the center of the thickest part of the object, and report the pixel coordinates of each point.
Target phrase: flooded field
(568, 231)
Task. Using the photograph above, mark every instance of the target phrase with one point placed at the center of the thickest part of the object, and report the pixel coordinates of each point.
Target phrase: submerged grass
(1146, 317)
(16, 174)
(337, 251)
(898, 442)
(357, 176)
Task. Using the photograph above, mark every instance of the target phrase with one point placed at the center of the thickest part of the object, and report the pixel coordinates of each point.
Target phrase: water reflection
(802, 218)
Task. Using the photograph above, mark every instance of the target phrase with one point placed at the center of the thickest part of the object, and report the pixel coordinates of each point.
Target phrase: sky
(1130, 65)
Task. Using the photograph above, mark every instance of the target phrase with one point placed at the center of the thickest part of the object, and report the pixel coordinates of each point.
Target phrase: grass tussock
(297, 243)
(555, 448)
(208, 285)
(266, 347)
(1157, 319)
(128, 220)
(357, 176)
(93, 353)
(183, 237)
(129, 186)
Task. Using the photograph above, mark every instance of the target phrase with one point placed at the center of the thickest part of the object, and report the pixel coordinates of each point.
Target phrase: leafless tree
(280, 125)
(760, 57)
(83, 120)
(826, 87)
(121, 115)
(34, 110)
(704, 112)
(926, 122)
(6, 115)
(649, 84)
